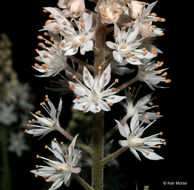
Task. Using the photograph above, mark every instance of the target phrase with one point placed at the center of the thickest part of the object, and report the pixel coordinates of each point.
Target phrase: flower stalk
(98, 151)
(6, 185)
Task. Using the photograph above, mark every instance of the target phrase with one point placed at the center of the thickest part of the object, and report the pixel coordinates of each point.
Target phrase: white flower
(59, 170)
(142, 107)
(145, 21)
(17, 143)
(52, 58)
(91, 96)
(72, 39)
(8, 114)
(19, 94)
(136, 143)
(110, 11)
(128, 46)
(41, 125)
(79, 39)
(72, 8)
(149, 73)
(136, 8)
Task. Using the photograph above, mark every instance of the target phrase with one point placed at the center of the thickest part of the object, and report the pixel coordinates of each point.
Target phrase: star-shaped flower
(142, 107)
(72, 38)
(136, 142)
(41, 125)
(92, 95)
(150, 73)
(129, 46)
(145, 20)
(52, 58)
(60, 169)
(17, 143)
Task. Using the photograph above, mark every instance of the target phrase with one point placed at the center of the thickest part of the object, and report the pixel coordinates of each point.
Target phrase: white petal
(117, 56)
(56, 184)
(71, 51)
(135, 153)
(134, 124)
(111, 45)
(124, 131)
(123, 143)
(152, 155)
(88, 78)
(105, 79)
(114, 98)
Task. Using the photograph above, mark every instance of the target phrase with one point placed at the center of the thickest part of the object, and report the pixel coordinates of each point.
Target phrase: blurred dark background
(21, 20)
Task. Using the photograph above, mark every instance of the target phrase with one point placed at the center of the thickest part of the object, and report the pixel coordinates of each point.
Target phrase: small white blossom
(79, 39)
(145, 20)
(142, 107)
(8, 115)
(110, 11)
(136, 143)
(52, 58)
(72, 8)
(136, 8)
(72, 39)
(66, 162)
(149, 73)
(129, 46)
(91, 96)
(41, 125)
(17, 143)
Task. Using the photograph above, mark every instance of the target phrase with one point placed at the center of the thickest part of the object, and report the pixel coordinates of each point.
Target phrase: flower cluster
(70, 33)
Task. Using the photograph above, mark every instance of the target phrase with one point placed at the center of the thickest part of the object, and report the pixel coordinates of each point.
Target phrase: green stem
(98, 151)
(82, 182)
(6, 183)
(113, 155)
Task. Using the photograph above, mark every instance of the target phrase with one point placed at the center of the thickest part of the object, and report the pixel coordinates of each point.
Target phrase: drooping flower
(52, 58)
(149, 73)
(110, 11)
(136, 142)
(41, 125)
(142, 107)
(72, 8)
(129, 46)
(92, 95)
(60, 169)
(17, 143)
(145, 19)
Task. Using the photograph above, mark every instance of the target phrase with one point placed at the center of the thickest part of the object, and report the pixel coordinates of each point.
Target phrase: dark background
(21, 20)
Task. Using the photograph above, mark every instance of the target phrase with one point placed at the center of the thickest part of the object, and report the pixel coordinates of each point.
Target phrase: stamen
(66, 156)
(164, 143)
(161, 133)
(168, 81)
(55, 139)
(37, 156)
(61, 142)
(99, 67)
(110, 104)
(116, 80)
(74, 77)
(26, 131)
(37, 166)
(46, 146)
(39, 37)
(123, 47)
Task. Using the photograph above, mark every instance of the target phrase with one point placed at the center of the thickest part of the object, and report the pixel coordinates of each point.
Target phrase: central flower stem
(98, 120)
(98, 151)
